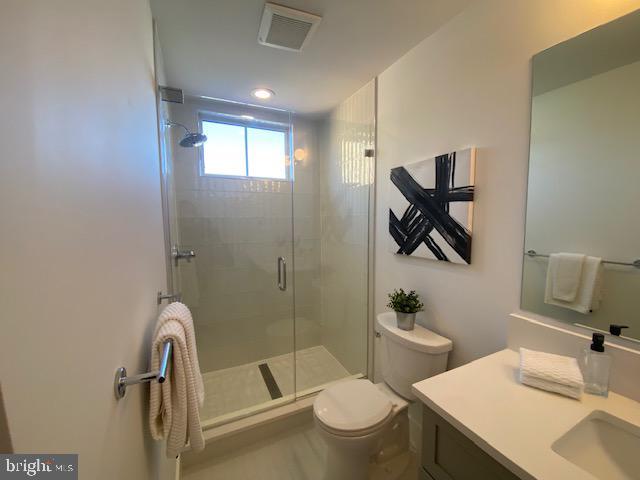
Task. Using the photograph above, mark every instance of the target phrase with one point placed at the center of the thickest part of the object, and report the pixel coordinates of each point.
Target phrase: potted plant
(406, 305)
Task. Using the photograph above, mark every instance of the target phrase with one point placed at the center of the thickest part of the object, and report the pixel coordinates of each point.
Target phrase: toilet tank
(410, 356)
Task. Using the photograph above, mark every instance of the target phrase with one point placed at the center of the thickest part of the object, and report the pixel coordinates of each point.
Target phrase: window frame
(234, 120)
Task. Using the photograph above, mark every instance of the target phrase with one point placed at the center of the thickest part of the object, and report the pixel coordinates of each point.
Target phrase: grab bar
(635, 263)
(122, 381)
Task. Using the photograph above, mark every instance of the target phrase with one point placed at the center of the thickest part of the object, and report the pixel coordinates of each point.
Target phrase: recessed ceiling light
(262, 93)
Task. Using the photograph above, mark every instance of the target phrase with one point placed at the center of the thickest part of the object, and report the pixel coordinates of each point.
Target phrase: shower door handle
(282, 274)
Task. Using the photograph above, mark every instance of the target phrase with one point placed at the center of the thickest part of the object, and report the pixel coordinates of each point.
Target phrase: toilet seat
(354, 433)
(352, 408)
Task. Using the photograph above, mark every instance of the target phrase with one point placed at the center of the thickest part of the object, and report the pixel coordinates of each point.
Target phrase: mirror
(584, 179)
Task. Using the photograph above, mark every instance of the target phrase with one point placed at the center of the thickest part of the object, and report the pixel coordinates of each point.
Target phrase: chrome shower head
(190, 139)
(193, 140)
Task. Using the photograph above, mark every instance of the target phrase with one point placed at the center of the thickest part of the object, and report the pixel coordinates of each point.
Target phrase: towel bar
(171, 297)
(635, 263)
(122, 381)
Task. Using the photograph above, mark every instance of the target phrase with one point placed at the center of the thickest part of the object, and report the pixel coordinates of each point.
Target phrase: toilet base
(403, 465)
(341, 466)
(353, 458)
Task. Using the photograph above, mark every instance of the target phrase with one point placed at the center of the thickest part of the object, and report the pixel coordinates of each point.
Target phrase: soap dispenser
(596, 367)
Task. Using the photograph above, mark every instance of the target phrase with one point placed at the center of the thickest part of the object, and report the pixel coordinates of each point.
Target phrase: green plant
(405, 302)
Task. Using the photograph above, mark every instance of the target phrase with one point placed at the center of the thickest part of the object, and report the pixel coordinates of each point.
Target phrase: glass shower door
(230, 202)
(333, 221)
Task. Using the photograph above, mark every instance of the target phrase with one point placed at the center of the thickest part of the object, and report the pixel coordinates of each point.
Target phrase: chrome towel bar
(171, 297)
(635, 263)
(122, 381)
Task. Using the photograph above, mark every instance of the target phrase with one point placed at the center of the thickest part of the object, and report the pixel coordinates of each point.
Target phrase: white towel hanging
(589, 288)
(174, 406)
(566, 269)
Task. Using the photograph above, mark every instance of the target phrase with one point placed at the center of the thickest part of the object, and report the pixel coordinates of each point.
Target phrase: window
(244, 150)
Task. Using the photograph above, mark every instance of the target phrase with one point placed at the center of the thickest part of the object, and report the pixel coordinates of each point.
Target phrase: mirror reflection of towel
(588, 286)
(566, 269)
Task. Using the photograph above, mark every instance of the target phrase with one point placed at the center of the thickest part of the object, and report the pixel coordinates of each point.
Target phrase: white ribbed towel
(555, 373)
(589, 292)
(174, 406)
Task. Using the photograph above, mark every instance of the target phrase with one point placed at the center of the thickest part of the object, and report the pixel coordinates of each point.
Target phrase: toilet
(354, 417)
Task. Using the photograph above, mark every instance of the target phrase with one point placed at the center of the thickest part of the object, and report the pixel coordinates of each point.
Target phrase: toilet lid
(419, 339)
(352, 405)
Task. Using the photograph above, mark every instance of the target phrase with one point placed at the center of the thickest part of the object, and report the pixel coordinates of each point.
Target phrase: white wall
(583, 178)
(81, 250)
(468, 84)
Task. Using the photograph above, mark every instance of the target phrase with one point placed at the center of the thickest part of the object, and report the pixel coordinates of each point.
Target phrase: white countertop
(514, 423)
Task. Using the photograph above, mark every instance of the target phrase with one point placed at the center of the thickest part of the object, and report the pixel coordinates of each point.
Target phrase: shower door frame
(163, 166)
(286, 251)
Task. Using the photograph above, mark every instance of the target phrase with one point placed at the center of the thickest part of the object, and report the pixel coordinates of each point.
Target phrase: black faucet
(616, 329)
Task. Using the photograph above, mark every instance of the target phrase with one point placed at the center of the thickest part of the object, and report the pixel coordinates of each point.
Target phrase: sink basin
(605, 446)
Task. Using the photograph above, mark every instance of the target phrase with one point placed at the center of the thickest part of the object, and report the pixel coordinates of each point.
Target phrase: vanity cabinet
(447, 454)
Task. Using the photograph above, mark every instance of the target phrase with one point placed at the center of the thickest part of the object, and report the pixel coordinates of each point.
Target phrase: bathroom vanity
(448, 454)
(481, 423)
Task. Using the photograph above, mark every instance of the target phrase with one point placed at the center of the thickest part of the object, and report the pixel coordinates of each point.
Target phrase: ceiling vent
(286, 28)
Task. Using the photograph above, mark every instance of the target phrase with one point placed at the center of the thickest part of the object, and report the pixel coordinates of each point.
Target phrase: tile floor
(296, 454)
(238, 391)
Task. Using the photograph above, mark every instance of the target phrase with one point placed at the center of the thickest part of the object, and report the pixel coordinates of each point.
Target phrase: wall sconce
(299, 155)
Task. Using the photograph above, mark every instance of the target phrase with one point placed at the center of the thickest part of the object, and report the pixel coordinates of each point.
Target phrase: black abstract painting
(432, 207)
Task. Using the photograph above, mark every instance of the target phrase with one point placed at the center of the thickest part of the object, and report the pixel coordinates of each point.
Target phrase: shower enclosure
(277, 209)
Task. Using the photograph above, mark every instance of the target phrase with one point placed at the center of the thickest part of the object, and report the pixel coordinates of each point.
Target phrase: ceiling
(210, 47)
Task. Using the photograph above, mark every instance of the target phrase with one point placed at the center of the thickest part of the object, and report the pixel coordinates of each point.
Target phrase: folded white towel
(174, 405)
(589, 291)
(566, 271)
(555, 373)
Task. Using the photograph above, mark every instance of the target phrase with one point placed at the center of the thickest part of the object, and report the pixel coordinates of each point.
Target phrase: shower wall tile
(277, 230)
(346, 178)
(219, 230)
(307, 228)
(247, 229)
(215, 257)
(305, 202)
(306, 216)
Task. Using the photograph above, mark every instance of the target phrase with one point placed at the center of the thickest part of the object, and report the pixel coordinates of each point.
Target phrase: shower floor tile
(232, 389)
(243, 387)
(315, 367)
